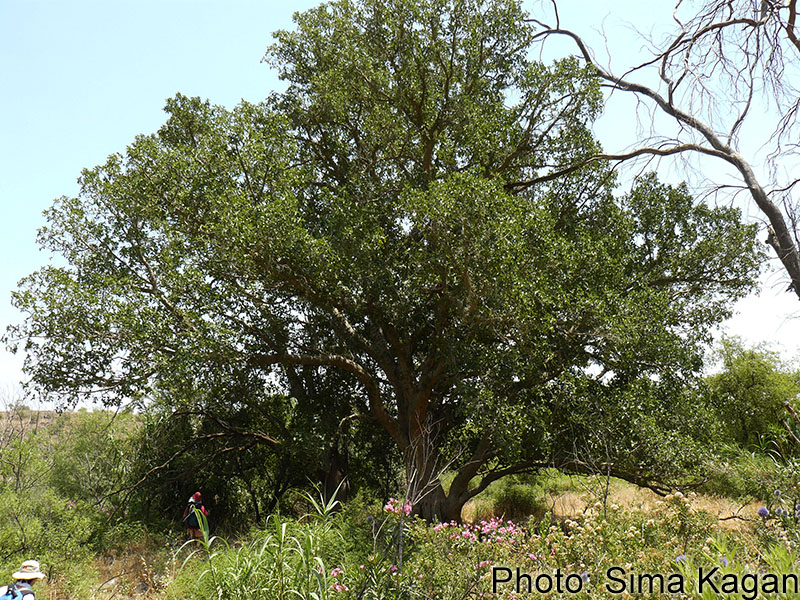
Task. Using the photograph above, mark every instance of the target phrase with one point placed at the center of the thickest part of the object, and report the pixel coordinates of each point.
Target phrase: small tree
(750, 394)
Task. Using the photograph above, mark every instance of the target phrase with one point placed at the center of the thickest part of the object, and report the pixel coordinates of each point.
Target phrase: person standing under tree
(191, 518)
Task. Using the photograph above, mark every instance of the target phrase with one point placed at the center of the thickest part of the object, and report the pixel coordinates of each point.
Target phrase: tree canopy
(360, 242)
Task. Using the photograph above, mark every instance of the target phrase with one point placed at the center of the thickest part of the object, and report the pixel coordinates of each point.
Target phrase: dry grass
(572, 503)
(138, 571)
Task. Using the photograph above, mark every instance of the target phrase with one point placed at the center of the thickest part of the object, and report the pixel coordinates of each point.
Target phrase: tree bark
(333, 476)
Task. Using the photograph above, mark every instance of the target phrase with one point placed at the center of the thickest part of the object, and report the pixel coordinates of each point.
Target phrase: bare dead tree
(725, 63)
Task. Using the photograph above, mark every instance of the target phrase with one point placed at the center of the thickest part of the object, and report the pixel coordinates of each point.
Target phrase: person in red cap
(191, 519)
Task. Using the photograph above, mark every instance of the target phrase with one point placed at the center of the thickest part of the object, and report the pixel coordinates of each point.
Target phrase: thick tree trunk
(431, 506)
(425, 489)
(437, 506)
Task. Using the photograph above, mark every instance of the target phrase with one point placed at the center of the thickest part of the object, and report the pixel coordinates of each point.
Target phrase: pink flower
(407, 508)
(336, 572)
(339, 587)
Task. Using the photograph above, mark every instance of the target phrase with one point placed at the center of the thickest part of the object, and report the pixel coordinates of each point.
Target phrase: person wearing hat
(28, 573)
(190, 518)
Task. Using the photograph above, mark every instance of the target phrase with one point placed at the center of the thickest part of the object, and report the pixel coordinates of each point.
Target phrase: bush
(514, 500)
(744, 475)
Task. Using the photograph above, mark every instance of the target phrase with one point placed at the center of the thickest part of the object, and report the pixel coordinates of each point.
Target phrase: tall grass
(283, 562)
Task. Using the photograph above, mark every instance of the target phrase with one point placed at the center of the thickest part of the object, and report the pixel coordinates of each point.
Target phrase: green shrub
(517, 500)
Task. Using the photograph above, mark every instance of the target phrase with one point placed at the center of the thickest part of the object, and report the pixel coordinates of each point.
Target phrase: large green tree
(365, 225)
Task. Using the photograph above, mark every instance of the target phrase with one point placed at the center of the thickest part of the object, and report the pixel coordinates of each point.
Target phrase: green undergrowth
(373, 553)
(55, 507)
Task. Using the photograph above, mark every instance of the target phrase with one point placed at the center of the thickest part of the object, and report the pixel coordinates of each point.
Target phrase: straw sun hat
(29, 570)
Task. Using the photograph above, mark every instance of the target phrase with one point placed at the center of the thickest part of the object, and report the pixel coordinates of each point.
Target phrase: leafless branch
(723, 41)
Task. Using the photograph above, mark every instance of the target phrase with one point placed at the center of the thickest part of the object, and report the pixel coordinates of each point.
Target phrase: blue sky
(80, 79)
